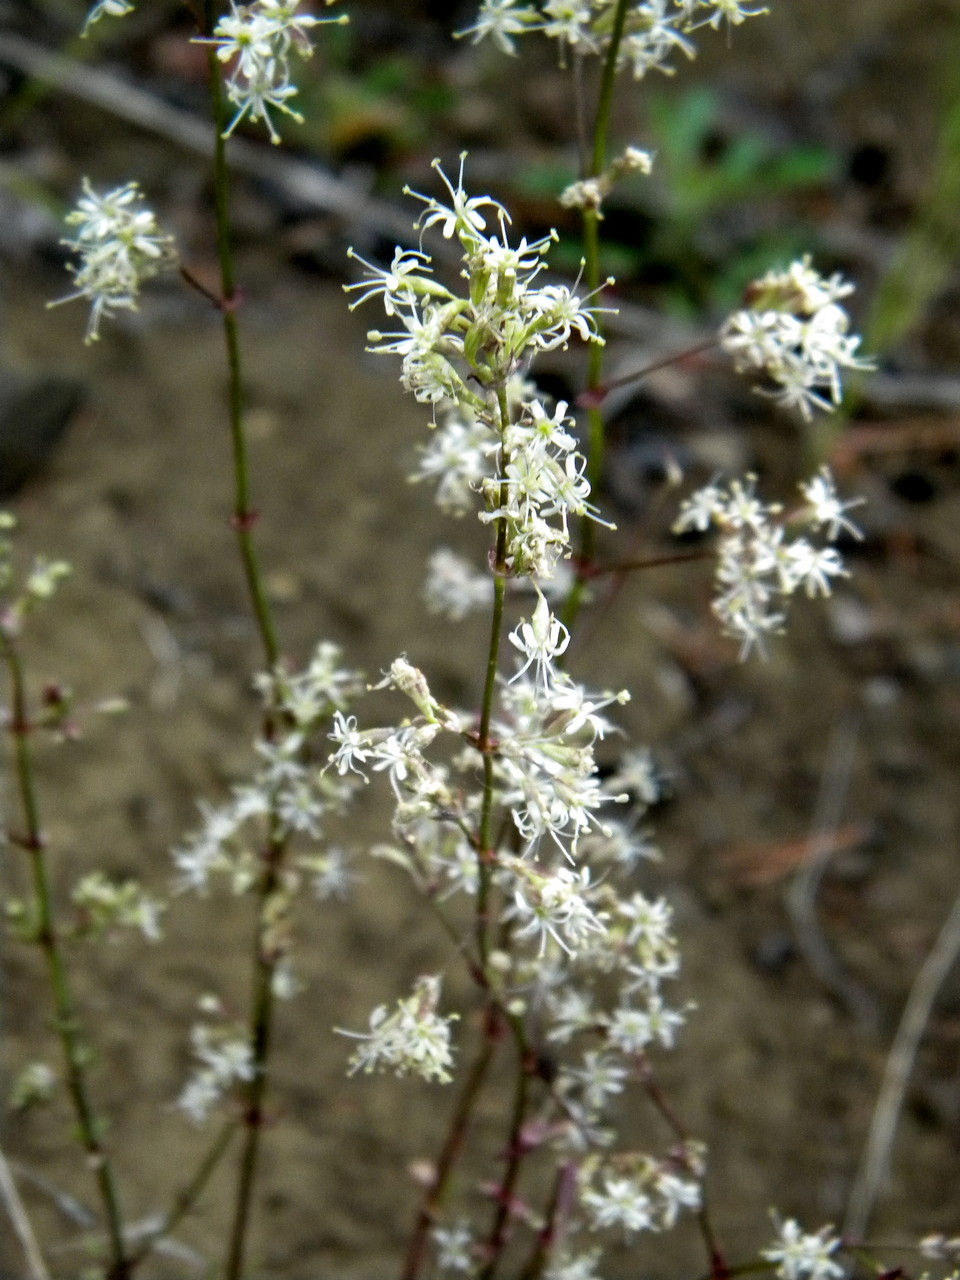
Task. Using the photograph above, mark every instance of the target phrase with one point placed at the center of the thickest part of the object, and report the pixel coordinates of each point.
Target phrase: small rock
(34, 412)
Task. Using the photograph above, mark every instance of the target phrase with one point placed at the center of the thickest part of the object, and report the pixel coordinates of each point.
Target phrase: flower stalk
(452, 1148)
(595, 449)
(244, 520)
(76, 1055)
(244, 516)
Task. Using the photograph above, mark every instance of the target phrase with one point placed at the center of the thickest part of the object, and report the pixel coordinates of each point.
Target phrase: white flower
(257, 40)
(676, 1194)
(333, 877)
(600, 1077)
(34, 1085)
(501, 20)
(650, 46)
(815, 566)
(119, 247)
(109, 9)
(826, 507)
(580, 1267)
(299, 808)
(647, 934)
(732, 12)
(353, 746)
(555, 904)
(631, 1030)
(540, 641)
(801, 1256)
(569, 22)
(637, 773)
(795, 331)
(398, 284)
(457, 457)
(653, 29)
(454, 1246)
(225, 1058)
(570, 1011)
(758, 567)
(622, 1202)
(463, 215)
(205, 852)
(453, 587)
(414, 1038)
(104, 904)
(701, 509)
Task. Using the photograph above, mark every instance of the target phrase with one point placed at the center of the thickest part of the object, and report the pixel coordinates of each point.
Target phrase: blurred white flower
(414, 1038)
(758, 566)
(224, 1057)
(107, 9)
(119, 246)
(794, 330)
(803, 1256)
(257, 39)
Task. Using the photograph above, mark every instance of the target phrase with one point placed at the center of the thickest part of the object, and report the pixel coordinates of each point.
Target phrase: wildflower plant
(519, 816)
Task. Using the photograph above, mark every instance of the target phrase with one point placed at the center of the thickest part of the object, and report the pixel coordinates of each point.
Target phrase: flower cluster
(794, 330)
(588, 957)
(937, 1247)
(104, 905)
(465, 356)
(414, 1038)
(589, 193)
(287, 784)
(653, 31)
(224, 1058)
(643, 1194)
(581, 956)
(801, 1255)
(33, 1086)
(119, 247)
(758, 567)
(257, 40)
(35, 587)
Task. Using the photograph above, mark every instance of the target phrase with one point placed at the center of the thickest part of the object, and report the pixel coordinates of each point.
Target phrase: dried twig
(303, 182)
(801, 896)
(876, 1154)
(21, 1223)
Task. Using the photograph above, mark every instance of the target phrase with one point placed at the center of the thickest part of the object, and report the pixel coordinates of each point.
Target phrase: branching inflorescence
(526, 852)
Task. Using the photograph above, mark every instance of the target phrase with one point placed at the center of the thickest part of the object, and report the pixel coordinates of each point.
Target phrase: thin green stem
(622, 567)
(601, 123)
(261, 1027)
(591, 253)
(190, 1194)
(561, 1195)
(597, 395)
(452, 1148)
(265, 958)
(489, 790)
(516, 1150)
(484, 743)
(715, 1254)
(244, 516)
(75, 1052)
